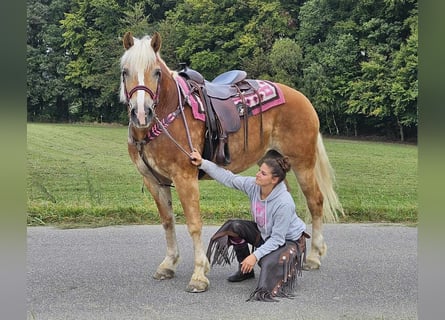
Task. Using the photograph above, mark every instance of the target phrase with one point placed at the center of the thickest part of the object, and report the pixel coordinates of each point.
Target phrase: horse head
(141, 78)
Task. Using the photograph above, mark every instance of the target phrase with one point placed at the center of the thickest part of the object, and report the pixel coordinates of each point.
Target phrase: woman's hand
(195, 158)
(248, 263)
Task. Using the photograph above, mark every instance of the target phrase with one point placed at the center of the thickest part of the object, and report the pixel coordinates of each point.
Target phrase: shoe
(239, 276)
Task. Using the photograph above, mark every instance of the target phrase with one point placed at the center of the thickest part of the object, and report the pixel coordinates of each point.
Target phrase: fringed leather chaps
(279, 269)
(278, 275)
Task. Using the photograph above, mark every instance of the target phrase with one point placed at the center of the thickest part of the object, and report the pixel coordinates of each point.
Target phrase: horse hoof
(194, 290)
(197, 286)
(311, 265)
(164, 274)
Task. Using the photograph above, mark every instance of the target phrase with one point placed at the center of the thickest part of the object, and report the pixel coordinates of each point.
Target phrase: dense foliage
(356, 60)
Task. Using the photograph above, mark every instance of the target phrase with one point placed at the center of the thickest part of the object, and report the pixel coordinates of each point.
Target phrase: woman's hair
(279, 166)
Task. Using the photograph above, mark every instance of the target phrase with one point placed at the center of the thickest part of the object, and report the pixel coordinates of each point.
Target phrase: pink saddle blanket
(269, 93)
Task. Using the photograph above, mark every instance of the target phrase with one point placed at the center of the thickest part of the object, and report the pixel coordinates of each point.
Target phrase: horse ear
(128, 40)
(156, 41)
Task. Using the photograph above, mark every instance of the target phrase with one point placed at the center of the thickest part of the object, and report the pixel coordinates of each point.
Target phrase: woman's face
(264, 176)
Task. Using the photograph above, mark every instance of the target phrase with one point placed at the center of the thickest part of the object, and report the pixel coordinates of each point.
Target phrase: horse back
(290, 128)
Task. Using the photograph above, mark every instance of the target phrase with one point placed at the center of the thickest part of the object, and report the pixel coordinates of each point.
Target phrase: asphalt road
(369, 272)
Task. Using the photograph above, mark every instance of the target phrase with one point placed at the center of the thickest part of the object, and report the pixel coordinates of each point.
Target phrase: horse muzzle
(141, 117)
(140, 113)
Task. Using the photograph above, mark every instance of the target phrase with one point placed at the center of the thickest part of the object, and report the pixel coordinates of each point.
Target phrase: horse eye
(158, 73)
(124, 72)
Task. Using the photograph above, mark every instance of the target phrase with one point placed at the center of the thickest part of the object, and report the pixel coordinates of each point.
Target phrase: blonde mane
(140, 56)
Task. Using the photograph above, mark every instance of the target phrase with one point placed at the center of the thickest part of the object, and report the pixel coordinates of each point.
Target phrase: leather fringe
(291, 260)
(220, 252)
(261, 294)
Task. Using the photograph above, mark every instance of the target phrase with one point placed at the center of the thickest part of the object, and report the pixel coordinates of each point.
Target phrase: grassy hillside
(82, 175)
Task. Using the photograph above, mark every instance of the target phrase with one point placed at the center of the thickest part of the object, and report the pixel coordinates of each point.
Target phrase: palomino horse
(151, 91)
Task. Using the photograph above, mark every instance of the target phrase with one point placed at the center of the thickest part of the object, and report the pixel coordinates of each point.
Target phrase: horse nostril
(141, 117)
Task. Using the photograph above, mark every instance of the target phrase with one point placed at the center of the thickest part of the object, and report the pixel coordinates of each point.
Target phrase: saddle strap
(210, 118)
(245, 120)
(250, 85)
(260, 105)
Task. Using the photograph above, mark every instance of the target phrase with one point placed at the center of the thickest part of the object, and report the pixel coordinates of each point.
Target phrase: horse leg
(314, 199)
(188, 192)
(163, 198)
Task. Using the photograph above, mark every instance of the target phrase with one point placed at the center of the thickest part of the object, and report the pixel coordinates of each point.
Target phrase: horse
(150, 90)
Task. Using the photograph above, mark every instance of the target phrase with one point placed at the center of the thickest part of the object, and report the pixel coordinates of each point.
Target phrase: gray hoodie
(275, 216)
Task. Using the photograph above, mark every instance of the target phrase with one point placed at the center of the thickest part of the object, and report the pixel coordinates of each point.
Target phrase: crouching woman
(276, 235)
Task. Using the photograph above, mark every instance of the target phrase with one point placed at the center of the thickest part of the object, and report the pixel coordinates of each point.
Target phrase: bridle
(155, 97)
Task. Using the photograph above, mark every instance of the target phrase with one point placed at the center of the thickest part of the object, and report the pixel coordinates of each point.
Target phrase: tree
(47, 93)
(353, 46)
(91, 38)
(328, 36)
(356, 60)
(285, 58)
(386, 88)
(249, 30)
(404, 88)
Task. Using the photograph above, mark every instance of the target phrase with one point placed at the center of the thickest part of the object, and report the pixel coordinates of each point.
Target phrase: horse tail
(324, 174)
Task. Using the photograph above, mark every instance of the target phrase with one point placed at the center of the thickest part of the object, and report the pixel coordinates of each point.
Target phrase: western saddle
(222, 115)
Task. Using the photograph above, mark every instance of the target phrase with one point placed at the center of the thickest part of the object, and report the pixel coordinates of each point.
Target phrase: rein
(187, 131)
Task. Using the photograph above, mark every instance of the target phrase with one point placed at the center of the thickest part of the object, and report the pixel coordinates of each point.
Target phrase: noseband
(153, 95)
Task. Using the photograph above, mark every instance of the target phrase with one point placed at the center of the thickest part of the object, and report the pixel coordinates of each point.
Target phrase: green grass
(376, 181)
(81, 175)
